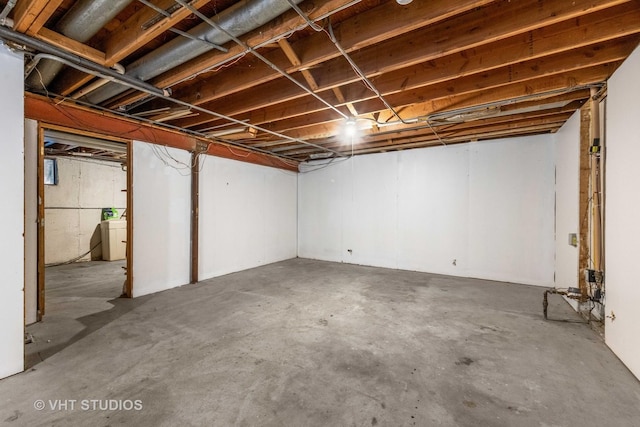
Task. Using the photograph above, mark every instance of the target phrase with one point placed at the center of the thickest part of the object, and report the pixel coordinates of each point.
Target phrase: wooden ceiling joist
(214, 59)
(472, 69)
(438, 67)
(30, 15)
(372, 27)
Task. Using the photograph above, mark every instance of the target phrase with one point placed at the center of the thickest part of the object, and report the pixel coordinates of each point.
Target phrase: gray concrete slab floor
(310, 343)
(74, 293)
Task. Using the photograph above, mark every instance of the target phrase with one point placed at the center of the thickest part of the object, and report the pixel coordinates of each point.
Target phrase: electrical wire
(360, 73)
(284, 159)
(304, 16)
(368, 84)
(260, 56)
(179, 32)
(268, 42)
(74, 259)
(179, 166)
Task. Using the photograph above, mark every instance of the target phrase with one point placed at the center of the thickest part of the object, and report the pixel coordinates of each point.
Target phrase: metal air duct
(239, 19)
(80, 23)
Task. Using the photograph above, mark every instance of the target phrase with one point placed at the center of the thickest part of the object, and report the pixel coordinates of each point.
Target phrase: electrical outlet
(573, 239)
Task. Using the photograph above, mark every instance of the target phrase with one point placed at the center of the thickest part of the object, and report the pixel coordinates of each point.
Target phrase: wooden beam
(595, 181)
(431, 140)
(469, 130)
(441, 98)
(66, 114)
(132, 34)
(128, 286)
(73, 116)
(312, 120)
(534, 130)
(593, 29)
(71, 45)
(340, 96)
(583, 201)
(569, 97)
(311, 81)
(274, 30)
(365, 29)
(489, 25)
(29, 16)
(481, 133)
(486, 25)
(542, 85)
(41, 230)
(537, 47)
(367, 33)
(195, 213)
(291, 55)
(512, 121)
(295, 61)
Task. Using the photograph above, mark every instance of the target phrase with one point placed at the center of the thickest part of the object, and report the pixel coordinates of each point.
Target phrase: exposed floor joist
(397, 70)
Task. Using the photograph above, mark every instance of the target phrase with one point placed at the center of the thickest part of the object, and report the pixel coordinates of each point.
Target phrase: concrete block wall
(73, 207)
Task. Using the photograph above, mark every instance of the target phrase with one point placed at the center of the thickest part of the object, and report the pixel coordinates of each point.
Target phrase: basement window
(50, 172)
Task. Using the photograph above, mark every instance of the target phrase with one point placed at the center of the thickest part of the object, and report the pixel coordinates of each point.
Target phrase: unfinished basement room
(320, 213)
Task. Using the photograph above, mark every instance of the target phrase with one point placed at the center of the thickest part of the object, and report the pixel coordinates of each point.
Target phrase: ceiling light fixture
(403, 2)
(350, 128)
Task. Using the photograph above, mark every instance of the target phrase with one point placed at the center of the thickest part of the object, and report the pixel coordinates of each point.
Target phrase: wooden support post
(596, 221)
(195, 202)
(128, 286)
(41, 228)
(583, 232)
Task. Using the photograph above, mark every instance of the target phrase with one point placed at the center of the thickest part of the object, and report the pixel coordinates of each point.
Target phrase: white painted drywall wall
(248, 216)
(479, 210)
(511, 210)
(162, 218)
(371, 182)
(433, 204)
(12, 224)
(622, 212)
(567, 155)
(31, 221)
(320, 211)
(73, 207)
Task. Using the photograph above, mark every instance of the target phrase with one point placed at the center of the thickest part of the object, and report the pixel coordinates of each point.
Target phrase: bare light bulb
(350, 128)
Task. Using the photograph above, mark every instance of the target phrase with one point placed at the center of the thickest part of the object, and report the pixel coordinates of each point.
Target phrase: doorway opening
(84, 229)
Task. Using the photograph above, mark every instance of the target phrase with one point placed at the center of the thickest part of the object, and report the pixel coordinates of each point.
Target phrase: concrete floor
(308, 343)
(75, 293)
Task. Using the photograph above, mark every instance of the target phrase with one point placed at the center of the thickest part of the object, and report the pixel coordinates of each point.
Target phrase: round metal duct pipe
(81, 22)
(239, 19)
